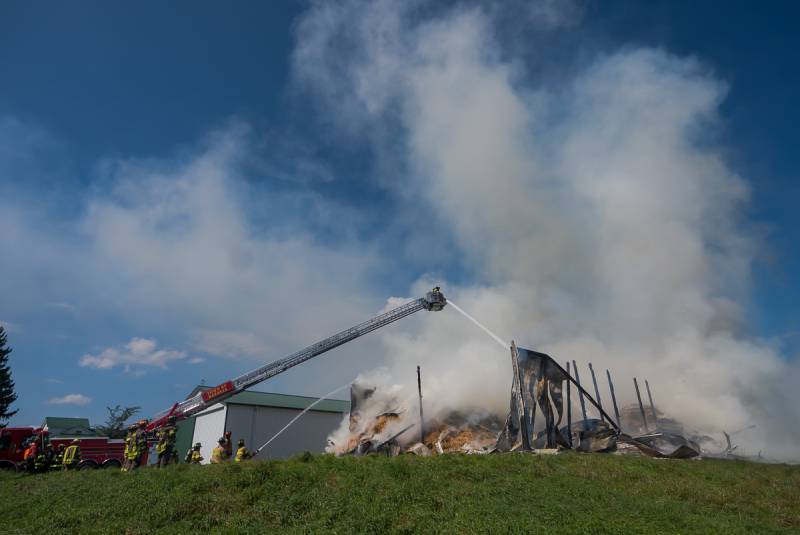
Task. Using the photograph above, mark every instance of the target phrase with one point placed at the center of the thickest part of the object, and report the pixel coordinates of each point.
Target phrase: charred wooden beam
(421, 419)
(613, 398)
(569, 409)
(596, 390)
(641, 407)
(652, 406)
(580, 391)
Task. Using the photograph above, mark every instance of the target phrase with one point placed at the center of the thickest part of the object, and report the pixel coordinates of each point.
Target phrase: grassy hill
(508, 493)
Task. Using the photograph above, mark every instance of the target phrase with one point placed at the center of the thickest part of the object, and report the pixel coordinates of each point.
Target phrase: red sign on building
(218, 390)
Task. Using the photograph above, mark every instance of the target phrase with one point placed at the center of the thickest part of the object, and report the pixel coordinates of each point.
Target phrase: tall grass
(510, 493)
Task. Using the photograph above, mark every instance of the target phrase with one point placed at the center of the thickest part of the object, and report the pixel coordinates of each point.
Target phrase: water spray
(293, 420)
(504, 345)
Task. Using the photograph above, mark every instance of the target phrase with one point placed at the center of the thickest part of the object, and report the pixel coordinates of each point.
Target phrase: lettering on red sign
(217, 391)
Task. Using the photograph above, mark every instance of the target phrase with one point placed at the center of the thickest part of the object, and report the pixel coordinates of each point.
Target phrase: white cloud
(231, 344)
(137, 353)
(70, 399)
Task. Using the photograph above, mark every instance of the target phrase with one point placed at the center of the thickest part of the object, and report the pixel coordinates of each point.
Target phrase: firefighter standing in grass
(141, 442)
(218, 454)
(135, 446)
(30, 455)
(166, 443)
(58, 460)
(228, 445)
(49, 457)
(242, 453)
(128, 447)
(40, 462)
(72, 455)
(193, 455)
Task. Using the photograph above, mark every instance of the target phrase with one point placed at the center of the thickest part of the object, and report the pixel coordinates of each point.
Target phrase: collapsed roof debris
(379, 424)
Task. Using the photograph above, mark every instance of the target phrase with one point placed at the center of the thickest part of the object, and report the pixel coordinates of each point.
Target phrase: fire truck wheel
(5, 465)
(112, 464)
(87, 466)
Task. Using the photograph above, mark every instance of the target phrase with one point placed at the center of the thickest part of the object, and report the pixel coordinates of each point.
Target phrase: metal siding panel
(183, 437)
(239, 423)
(208, 428)
(309, 433)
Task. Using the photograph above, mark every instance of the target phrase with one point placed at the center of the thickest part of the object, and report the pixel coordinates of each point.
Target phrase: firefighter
(72, 455)
(141, 441)
(218, 453)
(58, 460)
(193, 455)
(166, 443)
(135, 446)
(49, 457)
(129, 445)
(228, 445)
(40, 462)
(242, 453)
(138, 445)
(30, 455)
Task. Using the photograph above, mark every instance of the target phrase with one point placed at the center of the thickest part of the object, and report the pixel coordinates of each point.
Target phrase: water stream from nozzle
(293, 420)
(505, 345)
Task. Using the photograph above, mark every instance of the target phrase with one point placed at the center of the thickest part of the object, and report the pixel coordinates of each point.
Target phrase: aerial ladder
(432, 301)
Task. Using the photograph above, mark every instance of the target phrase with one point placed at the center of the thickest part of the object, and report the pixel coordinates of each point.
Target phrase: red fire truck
(96, 452)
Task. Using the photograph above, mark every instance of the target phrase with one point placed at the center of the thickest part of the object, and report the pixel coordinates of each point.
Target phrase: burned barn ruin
(550, 411)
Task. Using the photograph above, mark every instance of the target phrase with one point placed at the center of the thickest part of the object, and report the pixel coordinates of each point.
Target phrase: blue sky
(191, 189)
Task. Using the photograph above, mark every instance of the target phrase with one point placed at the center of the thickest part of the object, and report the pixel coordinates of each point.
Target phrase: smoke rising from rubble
(598, 214)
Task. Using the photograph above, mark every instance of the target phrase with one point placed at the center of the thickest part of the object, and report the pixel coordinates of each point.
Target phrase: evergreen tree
(7, 395)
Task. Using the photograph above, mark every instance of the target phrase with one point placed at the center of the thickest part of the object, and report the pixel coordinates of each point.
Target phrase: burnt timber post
(596, 390)
(569, 409)
(652, 406)
(580, 392)
(641, 407)
(613, 398)
(421, 419)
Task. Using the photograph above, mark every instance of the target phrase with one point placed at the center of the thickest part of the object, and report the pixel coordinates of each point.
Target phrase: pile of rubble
(377, 423)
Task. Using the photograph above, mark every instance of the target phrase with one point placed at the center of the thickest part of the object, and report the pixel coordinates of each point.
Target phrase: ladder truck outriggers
(434, 300)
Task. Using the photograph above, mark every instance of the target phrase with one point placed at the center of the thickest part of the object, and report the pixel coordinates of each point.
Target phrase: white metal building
(256, 417)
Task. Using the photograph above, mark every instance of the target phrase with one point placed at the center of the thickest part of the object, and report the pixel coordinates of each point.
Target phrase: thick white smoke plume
(598, 212)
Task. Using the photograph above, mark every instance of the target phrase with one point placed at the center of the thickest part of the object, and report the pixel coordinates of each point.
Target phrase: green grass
(510, 493)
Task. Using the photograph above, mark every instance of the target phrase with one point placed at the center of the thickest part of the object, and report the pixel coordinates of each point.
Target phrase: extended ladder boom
(433, 300)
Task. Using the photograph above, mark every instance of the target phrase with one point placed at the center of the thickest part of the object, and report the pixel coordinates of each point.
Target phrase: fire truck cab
(96, 452)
